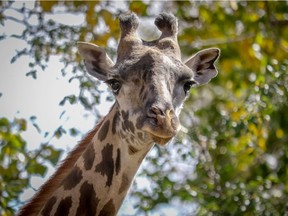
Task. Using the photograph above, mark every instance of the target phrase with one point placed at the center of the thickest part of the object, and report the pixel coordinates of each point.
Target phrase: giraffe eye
(187, 85)
(115, 85)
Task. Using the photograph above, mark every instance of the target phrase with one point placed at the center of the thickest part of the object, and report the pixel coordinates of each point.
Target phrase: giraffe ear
(97, 62)
(202, 65)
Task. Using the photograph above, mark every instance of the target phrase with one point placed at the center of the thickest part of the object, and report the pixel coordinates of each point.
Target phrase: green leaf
(4, 122)
(74, 131)
(84, 101)
(22, 124)
(51, 154)
(71, 98)
(36, 168)
(32, 73)
(59, 132)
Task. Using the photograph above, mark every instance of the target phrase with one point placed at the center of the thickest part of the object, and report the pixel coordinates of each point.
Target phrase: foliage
(243, 168)
(232, 161)
(17, 165)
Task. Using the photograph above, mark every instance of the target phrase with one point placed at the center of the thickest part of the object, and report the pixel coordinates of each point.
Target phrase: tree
(232, 160)
(17, 165)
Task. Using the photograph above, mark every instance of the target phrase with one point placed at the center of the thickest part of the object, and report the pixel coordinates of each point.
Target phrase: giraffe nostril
(162, 118)
(155, 111)
(170, 113)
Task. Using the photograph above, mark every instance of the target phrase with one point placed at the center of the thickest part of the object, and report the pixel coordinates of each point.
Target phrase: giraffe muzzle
(161, 125)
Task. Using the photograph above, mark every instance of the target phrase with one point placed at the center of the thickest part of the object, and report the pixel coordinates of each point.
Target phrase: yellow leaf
(254, 130)
(262, 143)
(237, 115)
(91, 17)
(107, 16)
(279, 133)
(47, 5)
(249, 150)
(137, 6)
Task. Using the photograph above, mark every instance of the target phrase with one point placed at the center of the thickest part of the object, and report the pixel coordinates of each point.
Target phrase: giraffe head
(149, 80)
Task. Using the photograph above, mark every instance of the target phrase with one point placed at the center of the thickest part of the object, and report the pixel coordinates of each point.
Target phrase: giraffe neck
(101, 177)
(34, 205)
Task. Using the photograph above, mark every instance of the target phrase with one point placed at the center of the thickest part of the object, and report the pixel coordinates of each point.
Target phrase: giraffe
(150, 83)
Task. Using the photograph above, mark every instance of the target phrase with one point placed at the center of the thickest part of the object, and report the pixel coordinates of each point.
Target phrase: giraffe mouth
(161, 127)
(160, 136)
(160, 140)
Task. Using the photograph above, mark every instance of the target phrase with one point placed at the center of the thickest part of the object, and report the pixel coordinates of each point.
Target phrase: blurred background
(232, 158)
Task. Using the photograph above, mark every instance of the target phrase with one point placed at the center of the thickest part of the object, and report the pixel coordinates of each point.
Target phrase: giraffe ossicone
(150, 84)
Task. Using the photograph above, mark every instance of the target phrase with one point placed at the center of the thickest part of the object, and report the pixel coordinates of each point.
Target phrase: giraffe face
(149, 80)
(152, 88)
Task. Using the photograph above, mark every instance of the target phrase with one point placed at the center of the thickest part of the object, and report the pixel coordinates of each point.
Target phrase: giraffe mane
(37, 202)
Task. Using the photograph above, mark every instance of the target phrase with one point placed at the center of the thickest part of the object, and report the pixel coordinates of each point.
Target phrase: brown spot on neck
(108, 209)
(125, 183)
(132, 150)
(74, 178)
(106, 166)
(88, 202)
(140, 136)
(127, 125)
(89, 157)
(115, 121)
(104, 131)
(64, 207)
(118, 162)
(48, 207)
